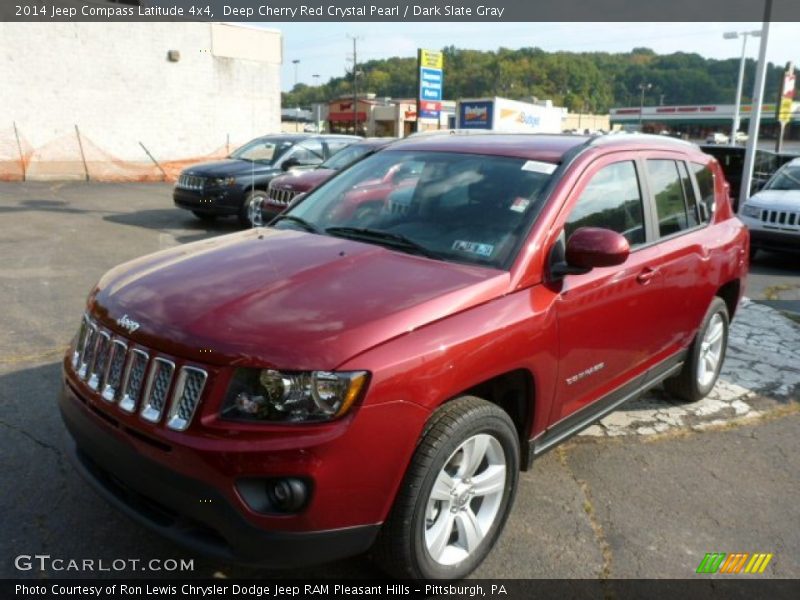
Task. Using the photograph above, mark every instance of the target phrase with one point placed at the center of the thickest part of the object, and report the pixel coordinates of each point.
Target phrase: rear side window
(611, 200)
(667, 187)
(705, 183)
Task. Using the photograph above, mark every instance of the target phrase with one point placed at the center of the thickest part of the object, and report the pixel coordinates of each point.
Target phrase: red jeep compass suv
(352, 379)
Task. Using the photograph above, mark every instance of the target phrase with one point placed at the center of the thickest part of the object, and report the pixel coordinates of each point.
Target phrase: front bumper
(186, 510)
(219, 201)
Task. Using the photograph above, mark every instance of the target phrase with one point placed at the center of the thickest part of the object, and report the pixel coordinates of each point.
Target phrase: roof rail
(607, 138)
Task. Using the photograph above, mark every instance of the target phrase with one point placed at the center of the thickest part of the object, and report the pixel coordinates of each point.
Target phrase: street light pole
(755, 113)
(316, 108)
(732, 35)
(642, 88)
(295, 62)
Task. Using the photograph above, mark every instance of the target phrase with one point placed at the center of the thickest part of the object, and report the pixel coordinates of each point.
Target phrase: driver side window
(612, 200)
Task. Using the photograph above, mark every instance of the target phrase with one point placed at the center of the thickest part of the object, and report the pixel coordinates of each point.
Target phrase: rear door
(682, 216)
(609, 319)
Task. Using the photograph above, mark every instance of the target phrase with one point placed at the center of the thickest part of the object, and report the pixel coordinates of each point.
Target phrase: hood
(229, 167)
(777, 200)
(302, 181)
(286, 299)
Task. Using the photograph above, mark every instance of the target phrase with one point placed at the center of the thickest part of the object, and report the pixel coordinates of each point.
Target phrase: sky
(324, 48)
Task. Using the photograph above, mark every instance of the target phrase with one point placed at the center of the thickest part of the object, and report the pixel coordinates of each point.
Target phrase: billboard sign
(431, 80)
(475, 115)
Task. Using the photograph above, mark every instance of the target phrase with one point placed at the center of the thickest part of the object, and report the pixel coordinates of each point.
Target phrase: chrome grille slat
(191, 182)
(155, 394)
(280, 196)
(186, 397)
(88, 350)
(113, 375)
(132, 382)
(80, 343)
(100, 353)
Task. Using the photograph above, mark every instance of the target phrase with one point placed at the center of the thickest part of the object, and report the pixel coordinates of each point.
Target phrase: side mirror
(290, 163)
(591, 247)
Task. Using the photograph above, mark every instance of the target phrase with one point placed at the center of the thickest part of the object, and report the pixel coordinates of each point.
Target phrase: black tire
(205, 217)
(686, 385)
(401, 549)
(753, 252)
(244, 212)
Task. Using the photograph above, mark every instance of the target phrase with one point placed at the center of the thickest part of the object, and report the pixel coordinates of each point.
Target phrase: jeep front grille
(280, 197)
(155, 394)
(781, 219)
(132, 383)
(125, 375)
(191, 182)
(186, 397)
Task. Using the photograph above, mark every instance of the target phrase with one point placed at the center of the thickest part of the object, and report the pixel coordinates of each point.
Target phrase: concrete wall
(115, 82)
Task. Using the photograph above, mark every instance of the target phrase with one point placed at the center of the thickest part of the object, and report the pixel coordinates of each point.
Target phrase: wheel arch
(514, 392)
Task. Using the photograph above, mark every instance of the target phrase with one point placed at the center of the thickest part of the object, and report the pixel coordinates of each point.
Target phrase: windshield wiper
(310, 227)
(395, 240)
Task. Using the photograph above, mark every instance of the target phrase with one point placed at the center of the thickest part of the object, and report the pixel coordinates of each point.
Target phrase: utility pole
(355, 83)
(642, 88)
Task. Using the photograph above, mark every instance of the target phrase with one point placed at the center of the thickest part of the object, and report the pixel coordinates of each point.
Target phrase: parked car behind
(717, 138)
(230, 186)
(773, 214)
(348, 379)
(283, 188)
(731, 159)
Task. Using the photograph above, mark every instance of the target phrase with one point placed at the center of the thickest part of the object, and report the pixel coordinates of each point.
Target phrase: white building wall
(114, 81)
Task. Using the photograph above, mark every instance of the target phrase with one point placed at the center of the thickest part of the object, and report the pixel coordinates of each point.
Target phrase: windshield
(458, 207)
(262, 150)
(788, 178)
(345, 158)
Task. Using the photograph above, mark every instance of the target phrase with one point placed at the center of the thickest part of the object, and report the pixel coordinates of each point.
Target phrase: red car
(305, 392)
(284, 188)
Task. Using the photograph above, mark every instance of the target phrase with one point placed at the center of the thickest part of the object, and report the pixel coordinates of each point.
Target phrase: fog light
(287, 495)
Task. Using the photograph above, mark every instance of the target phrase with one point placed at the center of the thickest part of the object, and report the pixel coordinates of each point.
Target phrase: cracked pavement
(644, 493)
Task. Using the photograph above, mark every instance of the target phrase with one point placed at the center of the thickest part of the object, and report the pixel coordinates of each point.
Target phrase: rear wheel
(456, 495)
(705, 358)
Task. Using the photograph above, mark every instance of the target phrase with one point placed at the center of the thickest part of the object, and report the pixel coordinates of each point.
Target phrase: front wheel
(250, 214)
(706, 355)
(456, 495)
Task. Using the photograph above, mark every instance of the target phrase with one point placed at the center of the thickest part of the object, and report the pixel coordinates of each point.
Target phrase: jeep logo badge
(127, 323)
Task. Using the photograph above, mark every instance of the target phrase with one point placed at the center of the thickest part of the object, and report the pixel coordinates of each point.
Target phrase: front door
(608, 319)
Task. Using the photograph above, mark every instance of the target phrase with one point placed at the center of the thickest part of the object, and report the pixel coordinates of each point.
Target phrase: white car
(773, 214)
(717, 138)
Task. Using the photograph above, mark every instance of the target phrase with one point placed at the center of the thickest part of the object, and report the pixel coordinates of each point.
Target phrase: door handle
(646, 275)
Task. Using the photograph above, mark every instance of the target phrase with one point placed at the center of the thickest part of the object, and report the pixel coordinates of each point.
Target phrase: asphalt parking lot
(645, 494)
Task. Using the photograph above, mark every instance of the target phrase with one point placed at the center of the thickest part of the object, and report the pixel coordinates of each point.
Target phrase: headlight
(224, 181)
(751, 211)
(281, 396)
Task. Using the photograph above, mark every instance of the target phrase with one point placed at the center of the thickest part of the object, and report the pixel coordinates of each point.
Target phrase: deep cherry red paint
(425, 330)
(591, 247)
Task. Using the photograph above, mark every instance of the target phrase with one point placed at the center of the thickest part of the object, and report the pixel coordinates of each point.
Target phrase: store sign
(475, 115)
(784, 112)
(431, 81)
